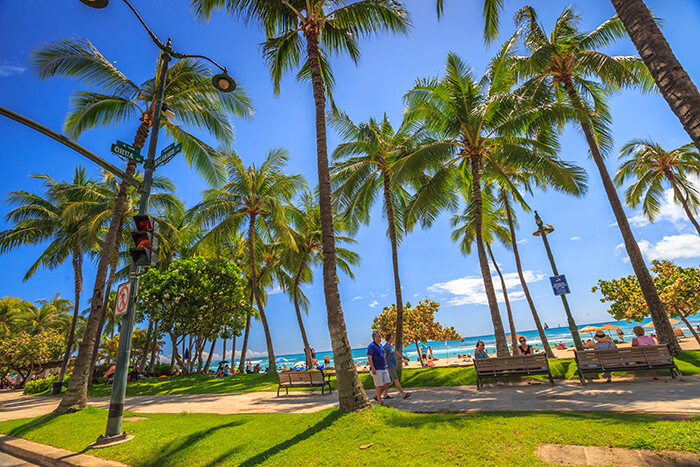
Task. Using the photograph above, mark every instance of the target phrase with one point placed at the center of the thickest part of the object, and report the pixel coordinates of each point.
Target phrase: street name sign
(125, 150)
(559, 285)
(123, 294)
(168, 153)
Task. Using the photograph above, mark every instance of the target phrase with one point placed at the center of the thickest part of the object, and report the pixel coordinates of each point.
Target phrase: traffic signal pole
(114, 433)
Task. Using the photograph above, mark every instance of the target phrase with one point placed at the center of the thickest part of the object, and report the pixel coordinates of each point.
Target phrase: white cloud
(669, 210)
(9, 70)
(275, 290)
(373, 304)
(520, 242)
(470, 289)
(385, 295)
(672, 247)
(575, 238)
(358, 297)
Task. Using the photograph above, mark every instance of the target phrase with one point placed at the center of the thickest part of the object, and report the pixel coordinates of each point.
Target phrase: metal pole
(569, 317)
(116, 404)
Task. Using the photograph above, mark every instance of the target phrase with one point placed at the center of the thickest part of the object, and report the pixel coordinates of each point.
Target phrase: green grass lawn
(330, 437)
(688, 363)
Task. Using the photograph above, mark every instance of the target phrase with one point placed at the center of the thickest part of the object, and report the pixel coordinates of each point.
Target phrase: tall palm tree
(565, 62)
(651, 166)
(493, 226)
(490, 12)
(256, 194)
(675, 85)
(325, 27)
(194, 101)
(305, 219)
(369, 162)
(477, 121)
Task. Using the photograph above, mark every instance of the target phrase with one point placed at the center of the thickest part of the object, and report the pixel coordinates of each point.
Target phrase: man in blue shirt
(390, 356)
(377, 364)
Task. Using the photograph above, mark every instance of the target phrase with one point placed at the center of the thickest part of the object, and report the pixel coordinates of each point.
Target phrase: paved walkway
(640, 395)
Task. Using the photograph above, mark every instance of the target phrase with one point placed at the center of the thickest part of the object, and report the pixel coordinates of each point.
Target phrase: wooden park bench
(303, 379)
(522, 365)
(651, 357)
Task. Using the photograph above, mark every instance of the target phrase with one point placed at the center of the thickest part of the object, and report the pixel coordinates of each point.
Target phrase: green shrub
(42, 385)
(161, 369)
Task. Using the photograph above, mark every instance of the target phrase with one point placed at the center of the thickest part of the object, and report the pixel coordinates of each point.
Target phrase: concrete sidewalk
(635, 395)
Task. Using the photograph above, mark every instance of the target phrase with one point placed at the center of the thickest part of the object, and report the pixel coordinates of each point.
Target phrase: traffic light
(145, 241)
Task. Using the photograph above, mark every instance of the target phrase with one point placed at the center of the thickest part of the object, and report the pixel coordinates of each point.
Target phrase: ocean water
(444, 349)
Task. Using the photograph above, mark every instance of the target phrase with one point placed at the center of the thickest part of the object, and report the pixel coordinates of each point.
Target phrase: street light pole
(543, 231)
(222, 82)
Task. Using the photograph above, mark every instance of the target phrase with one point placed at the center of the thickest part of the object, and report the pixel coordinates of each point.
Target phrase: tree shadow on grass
(169, 452)
(327, 421)
(22, 430)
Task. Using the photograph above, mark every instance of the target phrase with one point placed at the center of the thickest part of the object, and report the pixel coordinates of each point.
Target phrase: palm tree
(327, 27)
(256, 194)
(673, 81)
(651, 166)
(565, 62)
(194, 101)
(369, 162)
(477, 122)
(52, 314)
(11, 310)
(52, 218)
(490, 14)
(305, 219)
(493, 226)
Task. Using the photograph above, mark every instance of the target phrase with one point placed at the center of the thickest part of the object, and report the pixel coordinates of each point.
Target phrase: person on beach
(390, 354)
(430, 353)
(620, 335)
(377, 365)
(641, 340)
(524, 348)
(327, 361)
(604, 342)
(248, 367)
(480, 351)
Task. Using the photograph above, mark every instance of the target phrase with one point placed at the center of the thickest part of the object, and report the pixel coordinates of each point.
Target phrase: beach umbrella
(608, 327)
(280, 360)
(517, 336)
(673, 322)
(589, 329)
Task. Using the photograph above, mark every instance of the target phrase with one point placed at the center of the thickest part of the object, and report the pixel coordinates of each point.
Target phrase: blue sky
(586, 242)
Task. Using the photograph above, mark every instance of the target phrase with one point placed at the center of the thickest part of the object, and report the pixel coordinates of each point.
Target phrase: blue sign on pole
(559, 285)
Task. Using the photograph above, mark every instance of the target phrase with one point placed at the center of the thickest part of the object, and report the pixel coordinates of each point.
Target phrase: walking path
(635, 395)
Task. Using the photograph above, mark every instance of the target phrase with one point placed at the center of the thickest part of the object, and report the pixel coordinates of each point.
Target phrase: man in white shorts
(377, 364)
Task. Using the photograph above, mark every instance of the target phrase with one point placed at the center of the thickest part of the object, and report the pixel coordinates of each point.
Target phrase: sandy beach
(687, 343)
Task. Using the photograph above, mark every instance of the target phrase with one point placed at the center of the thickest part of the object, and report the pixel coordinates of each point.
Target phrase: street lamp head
(223, 82)
(95, 3)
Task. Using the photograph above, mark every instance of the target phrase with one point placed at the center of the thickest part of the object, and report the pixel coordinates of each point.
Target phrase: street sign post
(126, 150)
(123, 295)
(167, 154)
(559, 285)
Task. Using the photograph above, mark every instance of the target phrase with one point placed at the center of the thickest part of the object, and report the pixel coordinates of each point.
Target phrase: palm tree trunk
(681, 198)
(646, 283)
(295, 296)
(154, 351)
(523, 283)
(223, 357)
(78, 288)
(501, 344)
(241, 364)
(173, 357)
(673, 82)
(395, 262)
(233, 351)
(351, 394)
(272, 368)
(211, 354)
(684, 317)
(511, 323)
(105, 302)
(144, 352)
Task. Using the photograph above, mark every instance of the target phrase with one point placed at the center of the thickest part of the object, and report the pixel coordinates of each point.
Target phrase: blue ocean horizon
(448, 349)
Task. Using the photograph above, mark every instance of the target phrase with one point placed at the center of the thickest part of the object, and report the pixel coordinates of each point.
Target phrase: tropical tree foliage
(651, 166)
(26, 353)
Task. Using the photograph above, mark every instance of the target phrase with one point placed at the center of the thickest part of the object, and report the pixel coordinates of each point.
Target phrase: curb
(50, 456)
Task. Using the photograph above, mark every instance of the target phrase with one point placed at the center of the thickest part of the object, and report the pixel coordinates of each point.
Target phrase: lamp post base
(104, 441)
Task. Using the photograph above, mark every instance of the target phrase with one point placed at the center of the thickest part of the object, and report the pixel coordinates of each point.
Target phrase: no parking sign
(123, 293)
